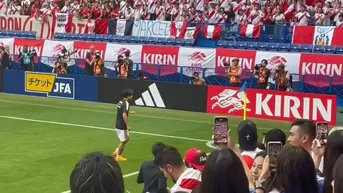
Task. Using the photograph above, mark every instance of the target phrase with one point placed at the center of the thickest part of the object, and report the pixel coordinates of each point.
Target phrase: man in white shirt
(302, 133)
(247, 140)
(173, 167)
(303, 16)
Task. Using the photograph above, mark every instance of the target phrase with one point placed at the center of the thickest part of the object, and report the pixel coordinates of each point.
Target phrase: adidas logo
(151, 98)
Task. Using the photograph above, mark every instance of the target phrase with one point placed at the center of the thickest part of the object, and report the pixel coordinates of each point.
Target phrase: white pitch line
(108, 112)
(101, 128)
(101, 111)
(124, 176)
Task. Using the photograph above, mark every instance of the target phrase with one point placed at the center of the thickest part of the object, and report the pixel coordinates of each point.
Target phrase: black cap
(275, 135)
(247, 135)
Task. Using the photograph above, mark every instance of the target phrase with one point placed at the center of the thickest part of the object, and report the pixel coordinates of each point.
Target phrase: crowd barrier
(261, 104)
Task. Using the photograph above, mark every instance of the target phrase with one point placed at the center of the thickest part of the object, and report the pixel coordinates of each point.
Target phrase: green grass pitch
(43, 138)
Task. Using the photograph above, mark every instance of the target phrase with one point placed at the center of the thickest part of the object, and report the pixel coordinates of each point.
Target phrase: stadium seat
(142, 40)
(160, 41)
(151, 40)
(307, 48)
(221, 43)
(272, 38)
(318, 49)
(330, 49)
(133, 39)
(189, 42)
(98, 37)
(252, 45)
(179, 42)
(89, 37)
(241, 45)
(170, 41)
(339, 50)
(231, 44)
(295, 48)
(272, 46)
(285, 47)
(57, 35)
(262, 45)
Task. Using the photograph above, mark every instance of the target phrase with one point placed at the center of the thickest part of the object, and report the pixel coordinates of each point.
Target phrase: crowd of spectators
(295, 12)
(308, 164)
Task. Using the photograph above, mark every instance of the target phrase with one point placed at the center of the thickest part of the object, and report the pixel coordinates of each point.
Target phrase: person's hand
(265, 169)
(230, 143)
(128, 128)
(318, 149)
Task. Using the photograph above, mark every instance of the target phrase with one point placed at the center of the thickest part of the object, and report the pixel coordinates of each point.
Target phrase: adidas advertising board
(155, 94)
(1, 79)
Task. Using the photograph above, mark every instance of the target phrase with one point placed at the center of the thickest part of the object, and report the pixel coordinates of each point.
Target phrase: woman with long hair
(337, 183)
(331, 151)
(295, 172)
(223, 173)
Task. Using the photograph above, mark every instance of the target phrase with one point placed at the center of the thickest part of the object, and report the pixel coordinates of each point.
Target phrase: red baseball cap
(196, 158)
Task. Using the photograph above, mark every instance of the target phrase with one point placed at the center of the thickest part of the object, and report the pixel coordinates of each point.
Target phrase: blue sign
(63, 88)
(76, 87)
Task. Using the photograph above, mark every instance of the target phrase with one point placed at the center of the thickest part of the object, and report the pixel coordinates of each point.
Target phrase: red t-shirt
(96, 12)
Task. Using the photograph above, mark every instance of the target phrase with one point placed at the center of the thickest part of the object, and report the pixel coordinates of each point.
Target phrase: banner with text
(272, 105)
(151, 28)
(195, 59)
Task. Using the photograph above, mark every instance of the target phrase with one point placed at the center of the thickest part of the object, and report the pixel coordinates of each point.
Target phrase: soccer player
(122, 123)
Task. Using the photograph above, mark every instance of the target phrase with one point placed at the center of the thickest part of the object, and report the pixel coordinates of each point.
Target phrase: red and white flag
(181, 30)
(62, 23)
(318, 35)
(178, 29)
(250, 30)
(213, 31)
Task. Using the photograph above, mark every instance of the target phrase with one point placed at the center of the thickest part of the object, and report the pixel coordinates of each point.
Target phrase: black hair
(333, 149)
(169, 156)
(275, 135)
(338, 175)
(126, 92)
(223, 173)
(261, 154)
(295, 171)
(98, 173)
(306, 127)
(120, 57)
(157, 148)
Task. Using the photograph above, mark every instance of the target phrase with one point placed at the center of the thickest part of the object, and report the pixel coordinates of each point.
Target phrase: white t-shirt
(321, 165)
(188, 180)
(251, 154)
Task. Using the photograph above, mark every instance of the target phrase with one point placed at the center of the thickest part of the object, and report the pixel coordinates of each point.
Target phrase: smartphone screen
(220, 127)
(274, 148)
(322, 131)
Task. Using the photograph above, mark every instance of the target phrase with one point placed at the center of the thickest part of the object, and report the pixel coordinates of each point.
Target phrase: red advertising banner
(272, 105)
(160, 55)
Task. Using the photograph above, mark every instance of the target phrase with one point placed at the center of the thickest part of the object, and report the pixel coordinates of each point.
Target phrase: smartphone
(274, 148)
(322, 132)
(220, 128)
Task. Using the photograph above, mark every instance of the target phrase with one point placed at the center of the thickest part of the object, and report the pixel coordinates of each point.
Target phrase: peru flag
(250, 31)
(213, 31)
(318, 35)
(181, 30)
